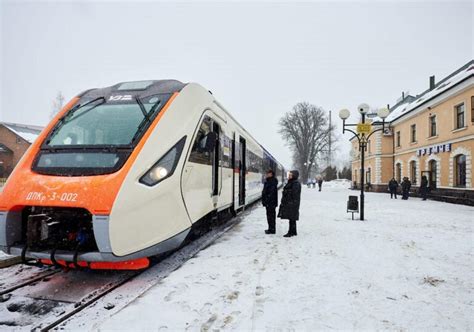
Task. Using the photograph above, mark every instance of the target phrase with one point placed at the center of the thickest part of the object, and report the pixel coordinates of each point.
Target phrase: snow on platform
(408, 266)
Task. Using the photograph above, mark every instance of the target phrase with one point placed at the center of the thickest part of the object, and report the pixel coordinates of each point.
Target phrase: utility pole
(330, 140)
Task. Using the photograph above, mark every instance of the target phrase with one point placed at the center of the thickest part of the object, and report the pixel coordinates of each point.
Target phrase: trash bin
(353, 205)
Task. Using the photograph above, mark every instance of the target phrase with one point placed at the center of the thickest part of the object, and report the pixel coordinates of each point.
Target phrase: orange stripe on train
(94, 193)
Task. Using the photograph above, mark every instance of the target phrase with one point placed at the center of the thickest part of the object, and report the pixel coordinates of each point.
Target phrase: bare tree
(58, 104)
(306, 131)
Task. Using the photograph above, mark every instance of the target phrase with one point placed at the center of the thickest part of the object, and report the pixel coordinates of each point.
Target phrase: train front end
(56, 206)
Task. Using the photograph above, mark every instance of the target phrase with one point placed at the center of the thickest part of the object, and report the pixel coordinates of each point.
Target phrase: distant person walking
(424, 187)
(314, 183)
(393, 187)
(308, 183)
(406, 185)
(270, 200)
(320, 183)
(290, 202)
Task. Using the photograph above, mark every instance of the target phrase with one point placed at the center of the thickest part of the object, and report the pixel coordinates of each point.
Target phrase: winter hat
(296, 174)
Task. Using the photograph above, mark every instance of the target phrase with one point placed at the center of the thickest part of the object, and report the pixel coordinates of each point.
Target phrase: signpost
(364, 128)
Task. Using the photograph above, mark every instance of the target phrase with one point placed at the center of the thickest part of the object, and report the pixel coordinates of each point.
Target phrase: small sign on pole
(364, 128)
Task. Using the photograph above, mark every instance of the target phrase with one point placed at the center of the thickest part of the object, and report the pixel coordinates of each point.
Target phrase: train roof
(147, 87)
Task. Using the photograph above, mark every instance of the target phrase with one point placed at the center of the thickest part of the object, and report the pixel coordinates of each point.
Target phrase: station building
(15, 139)
(430, 134)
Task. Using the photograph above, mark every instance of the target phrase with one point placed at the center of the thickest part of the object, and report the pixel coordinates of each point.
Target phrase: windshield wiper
(147, 117)
(71, 112)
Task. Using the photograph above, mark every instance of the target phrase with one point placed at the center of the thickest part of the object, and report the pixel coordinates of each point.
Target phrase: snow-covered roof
(28, 132)
(404, 107)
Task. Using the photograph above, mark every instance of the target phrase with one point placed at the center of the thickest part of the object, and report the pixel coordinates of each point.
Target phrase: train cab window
(199, 153)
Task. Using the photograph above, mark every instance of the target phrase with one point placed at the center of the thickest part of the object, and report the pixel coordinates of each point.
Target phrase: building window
(18, 140)
(413, 171)
(368, 176)
(433, 173)
(460, 167)
(398, 139)
(459, 113)
(369, 147)
(433, 126)
(398, 172)
(413, 133)
(472, 109)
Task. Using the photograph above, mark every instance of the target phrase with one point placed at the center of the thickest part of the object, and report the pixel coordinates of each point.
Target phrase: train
(128, 172)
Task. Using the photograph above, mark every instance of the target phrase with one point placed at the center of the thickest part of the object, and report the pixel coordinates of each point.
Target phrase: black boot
(270, 231)
(292, 230)
(287, 235)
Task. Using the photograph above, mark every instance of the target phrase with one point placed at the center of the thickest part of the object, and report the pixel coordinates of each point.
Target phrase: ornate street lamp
(362, 133)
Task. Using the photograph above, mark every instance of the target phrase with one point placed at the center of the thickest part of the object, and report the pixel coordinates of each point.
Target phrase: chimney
(432, 82)
(388, 106)
(403, 95)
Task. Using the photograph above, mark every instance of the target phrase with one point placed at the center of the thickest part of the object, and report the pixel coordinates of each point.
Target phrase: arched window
(398, 172)
(460, 170)
(433, 173)
(368, 176)
(413, 172)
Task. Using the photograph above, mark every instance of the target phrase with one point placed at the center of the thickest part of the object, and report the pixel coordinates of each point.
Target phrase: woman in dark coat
(290, 202)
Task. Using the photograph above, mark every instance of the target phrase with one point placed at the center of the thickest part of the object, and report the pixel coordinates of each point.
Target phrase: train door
(216, 164)
(235, 200)
(242, 170)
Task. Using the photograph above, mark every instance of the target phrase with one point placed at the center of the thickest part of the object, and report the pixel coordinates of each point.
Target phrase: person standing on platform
(393, 187)
(290, 202)
(270, 200)
(406, 185)
(424, 187)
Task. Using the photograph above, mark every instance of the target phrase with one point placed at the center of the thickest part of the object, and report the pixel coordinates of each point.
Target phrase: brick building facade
(15, 139)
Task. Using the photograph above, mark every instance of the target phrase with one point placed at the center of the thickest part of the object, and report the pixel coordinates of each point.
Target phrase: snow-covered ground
(408, 266)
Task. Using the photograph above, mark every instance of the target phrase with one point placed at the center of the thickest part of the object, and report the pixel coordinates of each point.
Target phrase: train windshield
(98, 135)
(105, 123)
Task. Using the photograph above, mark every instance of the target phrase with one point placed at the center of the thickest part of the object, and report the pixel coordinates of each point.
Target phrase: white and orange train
(127, 172)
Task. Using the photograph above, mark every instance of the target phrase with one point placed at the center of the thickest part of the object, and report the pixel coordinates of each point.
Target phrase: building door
(433, 174)
(242, 170)
(216, 172)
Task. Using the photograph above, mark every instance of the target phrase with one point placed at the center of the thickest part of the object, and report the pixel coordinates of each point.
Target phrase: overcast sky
(258, 59)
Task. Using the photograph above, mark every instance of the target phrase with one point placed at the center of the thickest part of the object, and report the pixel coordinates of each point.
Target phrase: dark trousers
(405, 194)
(424, 192)
(292, 229)
(271, 217)
(393, 193)
(319, 185)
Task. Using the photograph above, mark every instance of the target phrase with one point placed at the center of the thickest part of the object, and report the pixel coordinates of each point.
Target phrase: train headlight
(164, 167)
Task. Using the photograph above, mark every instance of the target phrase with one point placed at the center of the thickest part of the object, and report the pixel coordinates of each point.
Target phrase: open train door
(242, 170)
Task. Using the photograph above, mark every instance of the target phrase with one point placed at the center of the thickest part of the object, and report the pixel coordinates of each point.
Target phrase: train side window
(198, 153)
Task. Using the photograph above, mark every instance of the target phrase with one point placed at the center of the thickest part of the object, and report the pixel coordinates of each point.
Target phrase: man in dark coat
(270, 200)
(290, 202)
(406, 185)
(393, 187)
(424, 187)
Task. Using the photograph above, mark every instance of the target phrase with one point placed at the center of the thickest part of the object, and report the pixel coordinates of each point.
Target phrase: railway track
(87, 304)
(29, 281)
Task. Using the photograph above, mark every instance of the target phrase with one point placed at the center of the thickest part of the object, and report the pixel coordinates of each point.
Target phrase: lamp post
(362, 133)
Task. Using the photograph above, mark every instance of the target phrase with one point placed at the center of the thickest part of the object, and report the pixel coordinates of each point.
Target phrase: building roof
(407, 105)
(28, 132)
(5, 149)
